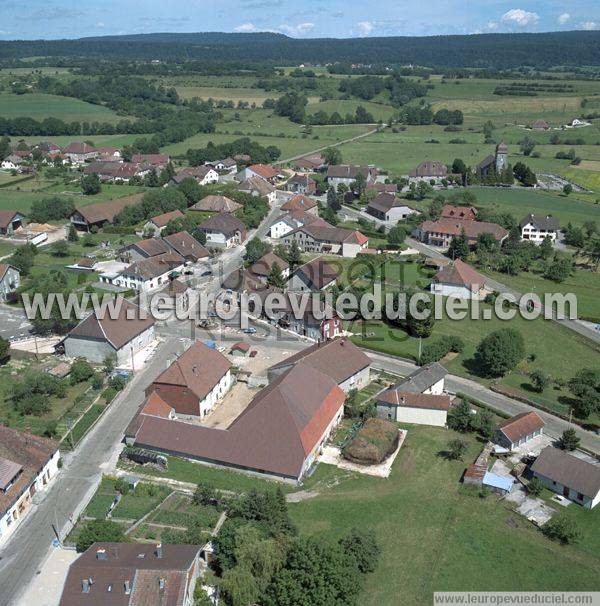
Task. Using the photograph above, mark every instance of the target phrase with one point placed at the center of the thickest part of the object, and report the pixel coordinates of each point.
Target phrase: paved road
(454, 384)
(14, 324)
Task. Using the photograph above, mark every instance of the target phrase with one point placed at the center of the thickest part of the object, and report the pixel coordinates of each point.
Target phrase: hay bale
(373, 443)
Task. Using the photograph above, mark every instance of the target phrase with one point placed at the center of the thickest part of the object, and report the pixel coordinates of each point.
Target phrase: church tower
(501, 157)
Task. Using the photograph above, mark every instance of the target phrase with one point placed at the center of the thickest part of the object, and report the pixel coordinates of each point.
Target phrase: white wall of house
(316, 451)
(351, 250)
(569, 493)
(215, 394)
(501, 438)
(421, 416)
(358, 380)
(9, 283)
(129, 281)
(17, 512)
(279, 229)
(437, 389)
(453, 290)
(398, 213)
(530, 232)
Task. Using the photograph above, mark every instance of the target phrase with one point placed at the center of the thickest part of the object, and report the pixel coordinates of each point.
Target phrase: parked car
(250, 330)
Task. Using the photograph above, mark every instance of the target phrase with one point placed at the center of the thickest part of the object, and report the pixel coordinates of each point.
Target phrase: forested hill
(483, 50)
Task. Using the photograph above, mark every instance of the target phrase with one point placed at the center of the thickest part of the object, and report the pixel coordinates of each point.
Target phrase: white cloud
(246, 27)
(296, 30)
(492, 25)
(520, 17)
(366, 27)
(562, 19)
(589, 25)
(100, 24)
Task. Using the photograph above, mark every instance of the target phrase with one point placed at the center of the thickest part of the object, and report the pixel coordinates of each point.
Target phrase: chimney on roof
(161, 584)
(85, 585)
(127, 587)
(159, 551)
(101, 554)
(402, 399)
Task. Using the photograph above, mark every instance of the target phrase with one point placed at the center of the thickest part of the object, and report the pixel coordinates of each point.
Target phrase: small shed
(499, 484)
(240, 349)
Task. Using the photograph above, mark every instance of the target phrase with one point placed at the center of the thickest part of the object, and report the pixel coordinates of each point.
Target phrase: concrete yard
(532, 508)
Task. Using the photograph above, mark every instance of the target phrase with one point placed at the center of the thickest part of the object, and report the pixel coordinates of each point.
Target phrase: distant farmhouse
(537, 229)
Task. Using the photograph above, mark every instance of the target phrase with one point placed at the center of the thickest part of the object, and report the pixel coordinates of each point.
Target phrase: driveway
(14, 324)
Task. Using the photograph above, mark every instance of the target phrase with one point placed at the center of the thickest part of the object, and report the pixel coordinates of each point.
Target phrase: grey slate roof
(549, 223)
(423, 378)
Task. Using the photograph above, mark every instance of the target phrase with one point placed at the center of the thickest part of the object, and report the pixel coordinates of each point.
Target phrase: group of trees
(461, 418)
(243, 146)
(500, 352)
(260, 558)
(424, 115)
(31, 395)
(53, 208)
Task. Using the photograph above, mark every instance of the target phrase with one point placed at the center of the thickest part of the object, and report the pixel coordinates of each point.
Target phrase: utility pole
(132, 361)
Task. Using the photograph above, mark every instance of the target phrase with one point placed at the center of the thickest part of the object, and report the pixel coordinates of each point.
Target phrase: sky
(50, 19)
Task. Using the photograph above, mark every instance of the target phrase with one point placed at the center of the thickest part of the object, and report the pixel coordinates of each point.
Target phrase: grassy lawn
(584, 284)
(84, 424)
(435, 536)
(40, 106)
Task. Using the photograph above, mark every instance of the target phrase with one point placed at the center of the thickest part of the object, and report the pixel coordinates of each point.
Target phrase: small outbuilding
(519, 429)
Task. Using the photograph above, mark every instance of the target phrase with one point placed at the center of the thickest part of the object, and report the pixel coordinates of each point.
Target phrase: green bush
(81, 371)
(433, 352)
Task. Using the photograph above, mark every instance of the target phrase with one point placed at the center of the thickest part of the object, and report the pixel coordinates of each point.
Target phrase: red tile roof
(186, 245)
(162, 220)
(460, 274)
(299, 202)
(462, 213)
(7, 217)
(472, 229)
(521, 425)
(264, 170)
(157, 407)
(216, 204)
(107, 211)
(405, 399)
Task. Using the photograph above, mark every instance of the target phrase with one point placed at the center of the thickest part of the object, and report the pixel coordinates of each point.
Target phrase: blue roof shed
(497, 483)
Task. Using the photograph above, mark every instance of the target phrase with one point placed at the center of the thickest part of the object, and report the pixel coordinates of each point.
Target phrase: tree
(4, 351)
(559, 269)
(546, 248)
(457, 449)
(205, 494)
(60, 249)
(562, 528)
(421, 327)
(500, 352)
(569, 440)
(239, 586)
(363, 546)
(294, 257)
(94, 531)
(526, 146)
(524, 174)
(275, 277)
(485, 423)
(567, 189)
(332, 156)
(255, 249)
(23, 258)
(460, 417)
(396, 236)
(540, 380)
(360, 183)
(81, 370)
(109, 364)
(535, 486)
(90, 185)
(459, 247)
(585, 386)
(72, 235)
(333, 201)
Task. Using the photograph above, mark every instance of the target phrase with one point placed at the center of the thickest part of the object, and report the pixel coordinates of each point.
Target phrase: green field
(436, 536)
(40, 106)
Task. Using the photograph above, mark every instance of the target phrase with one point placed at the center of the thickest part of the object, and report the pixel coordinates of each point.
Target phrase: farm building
(418, 408)
(425, 380)
(10, 279)
(223, 230)
(569, 476)
(97, 215)
(386, 207)
(313, 276)
(158, 223)
(10, 221)
(519, 429)
(216, 204)
(459, 280)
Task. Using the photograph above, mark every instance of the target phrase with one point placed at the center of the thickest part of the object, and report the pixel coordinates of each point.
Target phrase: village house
(292, 220)
(124, 335)
(262, 268)
(149, 274)
(425, 380)
(184, 244)
(156, 161)
(28, 464)
(429, 170)
(457, 279)
(386, 207)
(315, 275)
(263, 171)
(132, 574)
(10, 221)
(569, 476)
(311, 163)
(203, 175)
(79, 152)
(406, 407)
(440, 233)
(518, 430)
(458, 213)
(97, 215)
(10, 278)
(301, 203)
(258, 187)
(195, 382)
(382, 188)
(223, 230)
(301, 184)
(175, 295)
(537, 229)
(347, 174)
(156, 225)
(326, 239)
(12, 162)
(216, 204)
(115, 170)
(227, 166)
(143, 249)
(540, 125)
(322, 328)
(339, 358)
